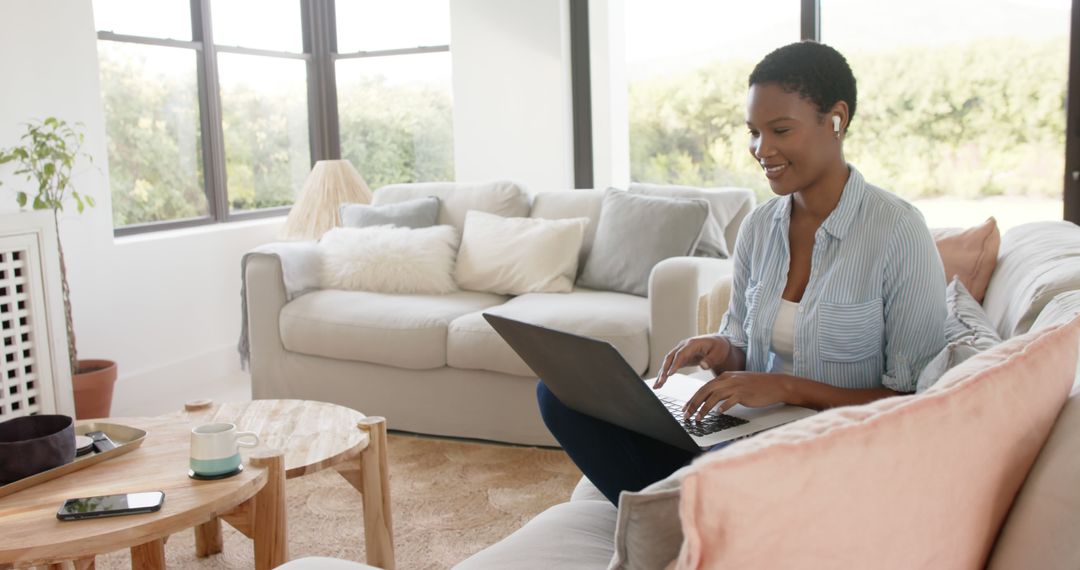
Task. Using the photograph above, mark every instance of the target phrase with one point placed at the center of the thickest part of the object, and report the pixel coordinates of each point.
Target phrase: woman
(838, 295)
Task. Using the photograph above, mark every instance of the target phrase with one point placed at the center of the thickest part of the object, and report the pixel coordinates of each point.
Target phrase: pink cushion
(905, 482)
(970, 254)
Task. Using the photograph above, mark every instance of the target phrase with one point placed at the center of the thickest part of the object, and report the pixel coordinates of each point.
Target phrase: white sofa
(430, 363)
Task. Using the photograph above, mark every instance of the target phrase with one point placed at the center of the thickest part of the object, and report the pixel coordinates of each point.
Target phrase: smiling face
(795, 146)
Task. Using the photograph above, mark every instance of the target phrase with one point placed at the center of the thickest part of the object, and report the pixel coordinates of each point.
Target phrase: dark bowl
(32, 444)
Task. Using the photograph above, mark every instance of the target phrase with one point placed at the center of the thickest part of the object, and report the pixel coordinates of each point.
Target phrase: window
(963, 113)
(151, 97)
(263, 101)
(394, 94)
(208, 117)
(686, 66)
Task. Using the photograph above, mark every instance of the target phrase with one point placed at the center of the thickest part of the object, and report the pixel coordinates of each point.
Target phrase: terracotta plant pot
(93, 387)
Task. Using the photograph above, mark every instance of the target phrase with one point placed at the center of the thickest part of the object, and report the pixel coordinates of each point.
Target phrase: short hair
(817, 72)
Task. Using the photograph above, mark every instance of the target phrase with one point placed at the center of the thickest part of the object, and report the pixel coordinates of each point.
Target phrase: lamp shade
(330, 184)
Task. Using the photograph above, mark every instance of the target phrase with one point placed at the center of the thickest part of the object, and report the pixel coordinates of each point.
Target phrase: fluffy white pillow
(513, 256)
(389, 259)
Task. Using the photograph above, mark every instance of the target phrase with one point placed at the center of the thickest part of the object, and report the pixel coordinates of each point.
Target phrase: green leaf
(50, 168)
(20, 197)
(89, 200)
(39, 203)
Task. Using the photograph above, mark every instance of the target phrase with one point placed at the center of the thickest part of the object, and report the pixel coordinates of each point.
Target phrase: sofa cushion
(636, 232)
(909, 482)
(1060, 309)
(726, 205)
(647, 531)
(969, 254)
(568, 536)
(389, 259)
(455, 199)
(513, 256)
(406, 331)
(418, 213)
(1044, 520)
(562, 204)
(1038, 261)
(622, 320)
(586, 491)
(967, 332)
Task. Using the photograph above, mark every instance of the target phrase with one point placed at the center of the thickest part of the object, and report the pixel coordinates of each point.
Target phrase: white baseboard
(214, 374)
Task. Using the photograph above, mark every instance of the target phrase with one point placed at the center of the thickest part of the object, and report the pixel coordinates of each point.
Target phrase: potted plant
(45, 155)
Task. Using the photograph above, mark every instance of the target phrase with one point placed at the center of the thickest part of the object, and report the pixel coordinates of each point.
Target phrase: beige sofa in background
(430, 363)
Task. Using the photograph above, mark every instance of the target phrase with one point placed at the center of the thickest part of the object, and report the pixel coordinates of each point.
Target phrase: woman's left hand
(751, 389)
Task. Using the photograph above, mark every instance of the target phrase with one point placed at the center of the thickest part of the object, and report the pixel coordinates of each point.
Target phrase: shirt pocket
(850, 333)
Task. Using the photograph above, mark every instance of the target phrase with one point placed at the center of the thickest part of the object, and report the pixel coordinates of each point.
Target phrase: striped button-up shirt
(873, 313)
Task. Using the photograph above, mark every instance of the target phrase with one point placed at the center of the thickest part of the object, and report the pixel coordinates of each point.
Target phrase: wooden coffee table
(313, 437)
(30, 534)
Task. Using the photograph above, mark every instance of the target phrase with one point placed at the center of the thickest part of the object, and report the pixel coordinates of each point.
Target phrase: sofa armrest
(272, 275)
(675, 286)
(713, 305)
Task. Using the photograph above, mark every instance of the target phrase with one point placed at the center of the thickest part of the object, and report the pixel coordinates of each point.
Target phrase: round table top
(30, 531)
(313, 435)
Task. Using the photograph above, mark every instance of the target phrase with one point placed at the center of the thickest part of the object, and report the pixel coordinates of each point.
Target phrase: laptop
(591, 377)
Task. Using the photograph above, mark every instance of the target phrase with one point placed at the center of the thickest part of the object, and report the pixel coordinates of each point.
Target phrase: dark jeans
(615, 459)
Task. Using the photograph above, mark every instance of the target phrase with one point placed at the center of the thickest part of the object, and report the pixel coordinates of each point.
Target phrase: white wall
(610, 106)
(165, 306)
(512, 93)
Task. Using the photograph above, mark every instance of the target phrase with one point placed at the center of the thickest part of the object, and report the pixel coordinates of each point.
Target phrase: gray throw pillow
(967, 332)
(418, 213)
(634, 233)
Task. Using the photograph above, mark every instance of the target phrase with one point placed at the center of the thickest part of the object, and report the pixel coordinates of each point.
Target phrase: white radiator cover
(35, 375)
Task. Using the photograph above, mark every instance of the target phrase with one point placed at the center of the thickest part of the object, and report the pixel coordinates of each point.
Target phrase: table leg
(270, 529)
(208, 538)
(370, 474)
(148, 556)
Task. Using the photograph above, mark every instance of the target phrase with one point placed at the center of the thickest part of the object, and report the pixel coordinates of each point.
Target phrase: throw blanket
(300, 267)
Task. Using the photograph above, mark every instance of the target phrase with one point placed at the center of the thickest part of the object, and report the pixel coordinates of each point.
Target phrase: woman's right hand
(706, 351)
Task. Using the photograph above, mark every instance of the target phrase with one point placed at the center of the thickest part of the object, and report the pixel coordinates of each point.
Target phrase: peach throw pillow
(970, 254)
(906, 482)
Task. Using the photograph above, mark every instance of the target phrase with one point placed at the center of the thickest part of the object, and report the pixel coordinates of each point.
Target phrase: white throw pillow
(388, 259)
(513, 256)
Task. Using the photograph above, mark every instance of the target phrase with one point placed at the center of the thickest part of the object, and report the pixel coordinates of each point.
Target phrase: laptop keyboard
(712, 423)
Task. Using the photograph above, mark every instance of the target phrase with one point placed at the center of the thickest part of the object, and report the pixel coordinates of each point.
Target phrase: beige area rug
(450, 499)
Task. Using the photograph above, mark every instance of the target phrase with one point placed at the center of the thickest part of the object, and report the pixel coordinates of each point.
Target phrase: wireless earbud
(836, 123)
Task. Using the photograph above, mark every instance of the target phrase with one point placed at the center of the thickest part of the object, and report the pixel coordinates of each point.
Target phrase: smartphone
(111, 505)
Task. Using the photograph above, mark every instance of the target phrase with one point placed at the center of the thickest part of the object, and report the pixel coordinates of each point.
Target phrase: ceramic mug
(215, 448)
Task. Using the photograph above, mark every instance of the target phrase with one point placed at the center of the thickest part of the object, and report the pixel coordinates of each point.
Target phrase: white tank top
(783, 338)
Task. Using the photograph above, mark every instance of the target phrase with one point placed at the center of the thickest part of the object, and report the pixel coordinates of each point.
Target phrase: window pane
(169, 19)
(264, 118)
(152, 125)
(370, 25)
(396, 117)
(260, 24)
(962, 113)
(687, 62)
